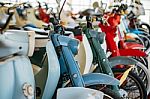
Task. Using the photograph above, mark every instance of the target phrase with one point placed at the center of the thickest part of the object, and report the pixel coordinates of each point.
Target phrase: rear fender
(132, 52)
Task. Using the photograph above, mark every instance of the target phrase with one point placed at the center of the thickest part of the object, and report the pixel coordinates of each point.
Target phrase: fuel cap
(28, 90)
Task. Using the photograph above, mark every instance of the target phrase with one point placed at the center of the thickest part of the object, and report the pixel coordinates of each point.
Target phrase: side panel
(13, 75)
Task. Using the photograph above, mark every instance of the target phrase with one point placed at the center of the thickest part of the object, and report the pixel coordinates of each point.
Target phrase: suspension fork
(72, 67)
(104, 63)
(101, 58)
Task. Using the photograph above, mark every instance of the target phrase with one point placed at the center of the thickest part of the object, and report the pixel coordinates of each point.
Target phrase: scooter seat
(100, 36)
(41, 40)
(89, 12)
(37, 30)
(4, 20)
(133, 45)
(76, 31)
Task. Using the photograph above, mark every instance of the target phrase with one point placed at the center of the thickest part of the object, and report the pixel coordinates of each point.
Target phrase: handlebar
(119, 8)
(2, 4)
(9, 11)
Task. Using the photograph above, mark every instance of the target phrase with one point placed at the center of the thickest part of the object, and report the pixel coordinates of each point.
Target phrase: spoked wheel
(133, 85)
(143, 60)
(144, 27)
(145, 36)
(140, 41)
(110, 94)
(142, 72)
(146, 41)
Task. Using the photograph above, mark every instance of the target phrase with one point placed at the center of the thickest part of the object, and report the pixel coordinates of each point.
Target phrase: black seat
(89, 12)
(2, 4)
(100, 36)
(37, 30)
(4, 20)
(76, 31)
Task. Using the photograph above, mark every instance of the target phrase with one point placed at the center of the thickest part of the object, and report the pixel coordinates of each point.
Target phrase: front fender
(121, 60)
(99, 78)
(79, 93)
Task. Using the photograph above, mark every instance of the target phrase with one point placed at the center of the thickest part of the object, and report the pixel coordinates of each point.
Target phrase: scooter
(17, 79)
(110, 34)
(95, 39)
(42, 14)
(141, 36)
(135, 10)
(24, 24)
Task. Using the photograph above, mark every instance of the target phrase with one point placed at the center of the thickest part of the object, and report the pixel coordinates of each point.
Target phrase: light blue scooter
(17, 78)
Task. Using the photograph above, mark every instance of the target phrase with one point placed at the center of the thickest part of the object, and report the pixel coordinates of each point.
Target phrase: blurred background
(76, 5)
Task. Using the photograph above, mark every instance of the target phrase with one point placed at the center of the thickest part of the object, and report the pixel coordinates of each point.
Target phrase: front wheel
(133, 85)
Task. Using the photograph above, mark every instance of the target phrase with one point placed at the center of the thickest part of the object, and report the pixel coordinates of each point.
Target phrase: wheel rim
(142, 75)
(131, 88)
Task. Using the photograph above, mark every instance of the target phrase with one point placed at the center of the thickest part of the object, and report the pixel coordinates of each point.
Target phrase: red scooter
(42, 14)
(112, 20)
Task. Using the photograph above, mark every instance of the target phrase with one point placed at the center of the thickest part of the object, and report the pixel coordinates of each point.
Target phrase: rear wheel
(142, 72)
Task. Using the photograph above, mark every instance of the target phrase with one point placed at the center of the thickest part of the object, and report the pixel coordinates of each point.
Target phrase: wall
(146, 17)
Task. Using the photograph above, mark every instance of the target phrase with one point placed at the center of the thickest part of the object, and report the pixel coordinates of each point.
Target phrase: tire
(111, 93)
(142, 60)
(146, 41)
(147, 26)
(137, 85)
(142, 71)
